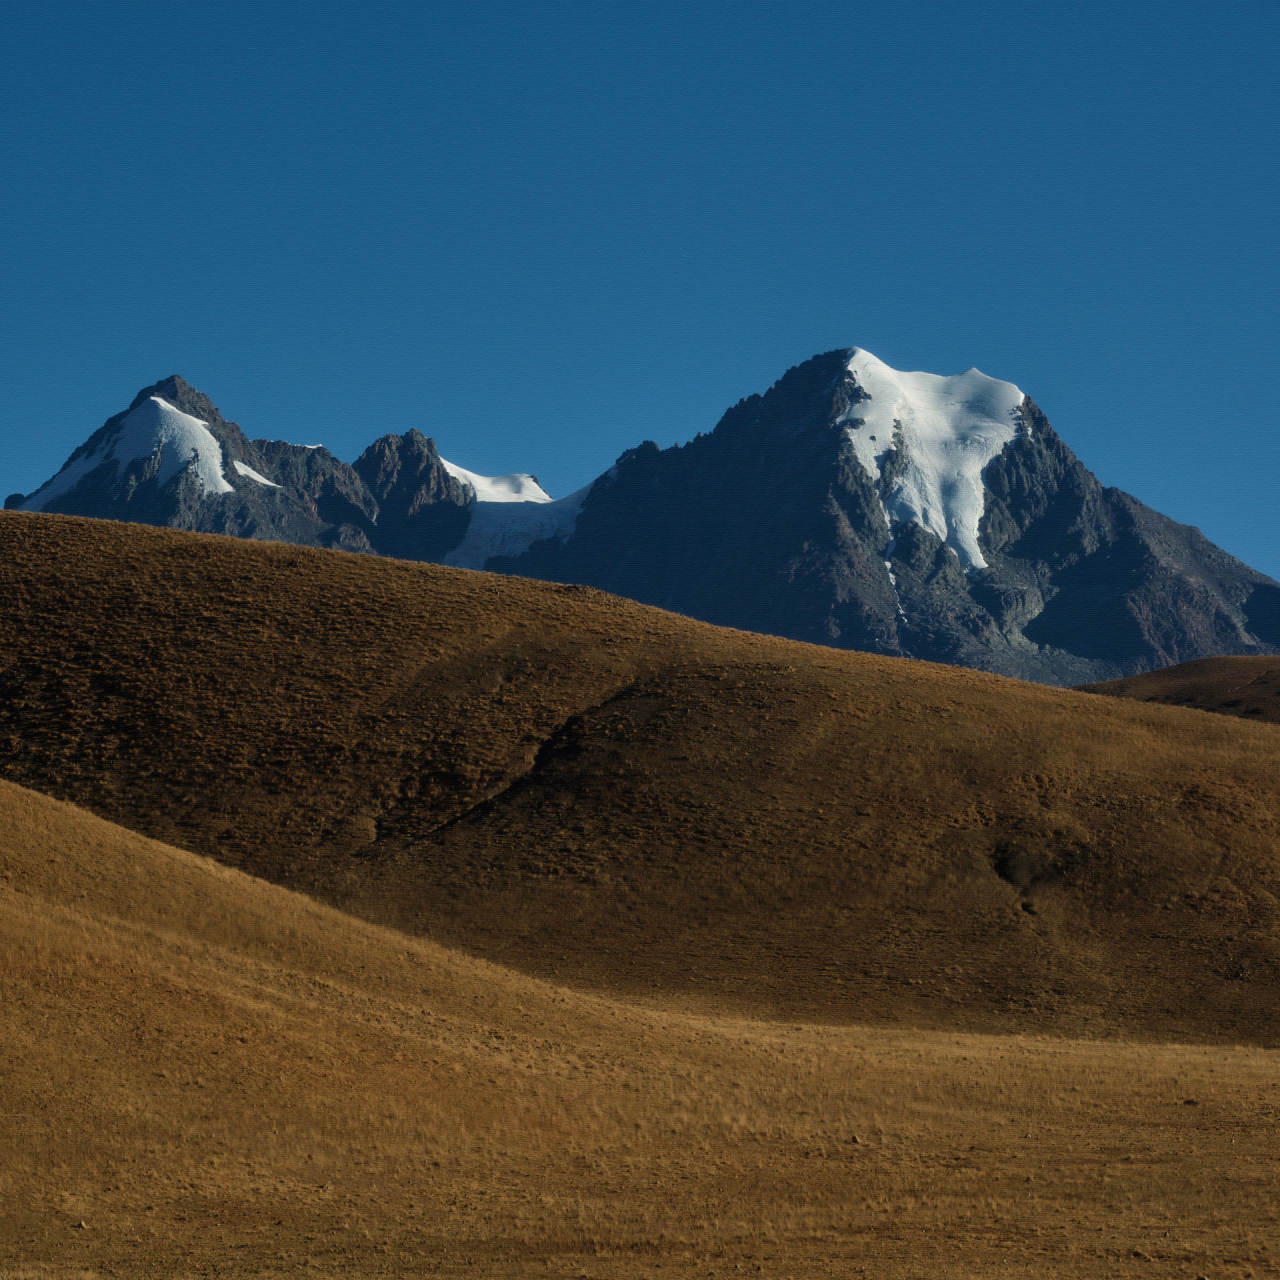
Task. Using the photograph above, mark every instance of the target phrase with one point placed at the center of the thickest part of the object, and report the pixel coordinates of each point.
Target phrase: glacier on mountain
(155, 429)
(943, 431)
(509, 527)
(508, 515)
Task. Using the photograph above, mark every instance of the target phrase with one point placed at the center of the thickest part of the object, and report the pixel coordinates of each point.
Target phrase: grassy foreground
(204, 1074)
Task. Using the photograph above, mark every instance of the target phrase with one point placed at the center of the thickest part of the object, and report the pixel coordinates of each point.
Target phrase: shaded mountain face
(850, 505)
(841, 508)
(421, 509)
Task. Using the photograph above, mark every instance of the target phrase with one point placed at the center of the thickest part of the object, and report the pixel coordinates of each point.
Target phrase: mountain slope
(589, 789)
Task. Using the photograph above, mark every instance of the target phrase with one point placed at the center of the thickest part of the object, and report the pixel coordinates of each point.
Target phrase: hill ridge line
(604, 795)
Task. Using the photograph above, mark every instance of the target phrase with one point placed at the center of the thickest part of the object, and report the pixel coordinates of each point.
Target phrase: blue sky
(544, 233)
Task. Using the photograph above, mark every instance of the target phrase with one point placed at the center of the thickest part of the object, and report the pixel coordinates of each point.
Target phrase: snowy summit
(155, 429)
(508, 515)
(945, 430)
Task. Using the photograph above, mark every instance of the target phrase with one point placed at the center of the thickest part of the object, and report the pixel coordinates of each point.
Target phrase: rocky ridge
(397, 499)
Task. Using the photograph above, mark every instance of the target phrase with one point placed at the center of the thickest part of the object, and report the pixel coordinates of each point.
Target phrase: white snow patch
(513, 488)
(250, 474)
(509, 526)
(154, 428)
(508, 515)
(951, 429)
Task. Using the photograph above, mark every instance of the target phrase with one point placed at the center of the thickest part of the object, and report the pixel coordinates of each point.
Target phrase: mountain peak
(154, 433)
(168, 388)
(181, 395)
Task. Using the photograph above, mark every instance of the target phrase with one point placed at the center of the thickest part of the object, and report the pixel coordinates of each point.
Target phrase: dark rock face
(1123, 588)
(768, 524)
(771, 524)
(423, 510)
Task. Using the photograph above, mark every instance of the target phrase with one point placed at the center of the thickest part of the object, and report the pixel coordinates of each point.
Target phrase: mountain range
(851, 505)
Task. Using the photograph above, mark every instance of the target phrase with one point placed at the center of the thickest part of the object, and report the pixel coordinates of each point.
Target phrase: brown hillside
(584, 788)
(1247, 687)
(207, 1075)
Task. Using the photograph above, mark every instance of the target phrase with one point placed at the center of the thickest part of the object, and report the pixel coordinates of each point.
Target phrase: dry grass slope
(204, 1074)
(634, 803)
(1247, 687)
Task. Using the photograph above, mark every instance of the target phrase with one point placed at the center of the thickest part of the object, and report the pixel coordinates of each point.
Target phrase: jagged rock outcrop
(423, 510)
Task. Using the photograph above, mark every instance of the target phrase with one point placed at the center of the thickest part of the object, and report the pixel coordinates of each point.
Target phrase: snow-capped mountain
(851, 505)
(172, 459)
(907, 513)
(163, 439)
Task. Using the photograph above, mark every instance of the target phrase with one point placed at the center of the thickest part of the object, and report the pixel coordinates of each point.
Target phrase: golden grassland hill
(607, 795)
(204, 1074)
(1246, 687)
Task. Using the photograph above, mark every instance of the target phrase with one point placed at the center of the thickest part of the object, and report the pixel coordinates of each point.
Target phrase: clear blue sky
(544, 232)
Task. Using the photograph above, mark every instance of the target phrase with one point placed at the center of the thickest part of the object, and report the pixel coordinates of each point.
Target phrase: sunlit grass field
(207, 1074)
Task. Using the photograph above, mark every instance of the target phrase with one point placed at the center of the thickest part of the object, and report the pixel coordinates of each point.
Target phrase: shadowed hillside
(590, 790)
(1247, 687)
(207, 1075)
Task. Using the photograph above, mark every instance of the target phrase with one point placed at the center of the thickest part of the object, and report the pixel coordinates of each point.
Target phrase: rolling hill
(204, 1074)
(636, 804)
(1233, 686)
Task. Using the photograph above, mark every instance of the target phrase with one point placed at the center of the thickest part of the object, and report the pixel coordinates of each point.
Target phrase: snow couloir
(945, 430)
